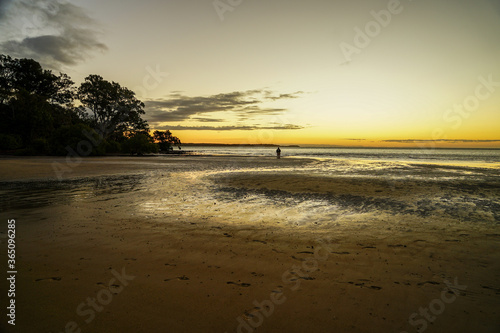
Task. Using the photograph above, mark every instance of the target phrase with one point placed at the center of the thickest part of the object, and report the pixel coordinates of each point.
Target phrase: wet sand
(214, 244)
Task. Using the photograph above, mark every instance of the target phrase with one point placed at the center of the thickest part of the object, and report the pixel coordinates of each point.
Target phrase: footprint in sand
(308, 278)
(114, 288)
(181, 278)
(245, 285)
(362, 285)
(56, 278)
(427, 282)
(496, 290)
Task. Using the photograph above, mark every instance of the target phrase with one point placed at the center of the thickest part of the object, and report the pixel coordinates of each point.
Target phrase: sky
(408, 73)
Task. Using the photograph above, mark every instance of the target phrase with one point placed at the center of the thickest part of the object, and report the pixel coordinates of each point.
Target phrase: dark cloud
(244, 104)
(271, 96)
(3, 7)
(252, 111)
(55, 33)
(67, 50)
(229, 128)
(208, 120)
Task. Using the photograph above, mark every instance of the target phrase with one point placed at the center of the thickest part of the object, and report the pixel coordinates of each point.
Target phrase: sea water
(485, 157)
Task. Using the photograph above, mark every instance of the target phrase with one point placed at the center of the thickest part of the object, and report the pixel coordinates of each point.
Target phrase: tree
(140, 143)
(114, 109)
(33, 102)
(18, 75)
(32, 117)
(78, 138)
(165, 140)
(38, 116)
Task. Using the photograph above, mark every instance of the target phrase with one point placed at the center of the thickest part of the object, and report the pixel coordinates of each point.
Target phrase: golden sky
(363, 73)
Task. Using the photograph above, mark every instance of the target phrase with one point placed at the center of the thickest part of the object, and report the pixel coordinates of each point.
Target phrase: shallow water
(465, 157)
(23, 195)
(461, 194)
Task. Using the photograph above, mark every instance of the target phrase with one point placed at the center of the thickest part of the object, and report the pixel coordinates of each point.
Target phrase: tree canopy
(39, 116)
(114, 108)
(27, 75)
(165, 140)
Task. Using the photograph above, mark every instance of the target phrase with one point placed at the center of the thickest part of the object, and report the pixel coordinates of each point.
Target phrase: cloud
(55, 33)
(4, 4)
(243, 104)
(208, 120)
(269, 95)
(229, 128)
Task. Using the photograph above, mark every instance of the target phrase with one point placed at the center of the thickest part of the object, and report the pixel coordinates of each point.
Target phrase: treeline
(46, 114)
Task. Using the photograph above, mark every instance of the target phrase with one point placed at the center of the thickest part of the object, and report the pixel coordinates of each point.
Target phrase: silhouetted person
(278, 152)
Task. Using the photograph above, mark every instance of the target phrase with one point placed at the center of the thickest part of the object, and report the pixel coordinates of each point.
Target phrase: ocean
(472, 157)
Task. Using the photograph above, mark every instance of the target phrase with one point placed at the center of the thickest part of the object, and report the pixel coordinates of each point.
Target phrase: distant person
(278, 152)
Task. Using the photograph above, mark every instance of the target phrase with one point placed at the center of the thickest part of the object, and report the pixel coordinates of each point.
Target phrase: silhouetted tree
(140, 143)
(114, 109)
(165, 140)
(67, 138)
(33, 102)
(33, 117)
(37, 115)
(18, 75)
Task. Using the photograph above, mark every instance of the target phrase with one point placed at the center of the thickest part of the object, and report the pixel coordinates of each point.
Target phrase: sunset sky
(323, 72)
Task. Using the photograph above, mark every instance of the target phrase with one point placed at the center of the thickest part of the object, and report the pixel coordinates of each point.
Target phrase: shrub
(139, 144)
(9, 142)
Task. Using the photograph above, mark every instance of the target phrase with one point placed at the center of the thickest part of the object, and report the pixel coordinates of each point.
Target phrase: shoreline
(46, 167)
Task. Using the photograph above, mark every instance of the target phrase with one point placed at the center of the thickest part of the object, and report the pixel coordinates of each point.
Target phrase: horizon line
(308, 145)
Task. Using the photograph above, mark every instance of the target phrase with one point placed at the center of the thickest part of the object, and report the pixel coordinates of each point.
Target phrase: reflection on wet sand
(34, 194)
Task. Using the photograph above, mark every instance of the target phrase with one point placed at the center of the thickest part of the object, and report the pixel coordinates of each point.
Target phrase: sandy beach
(251, 244)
